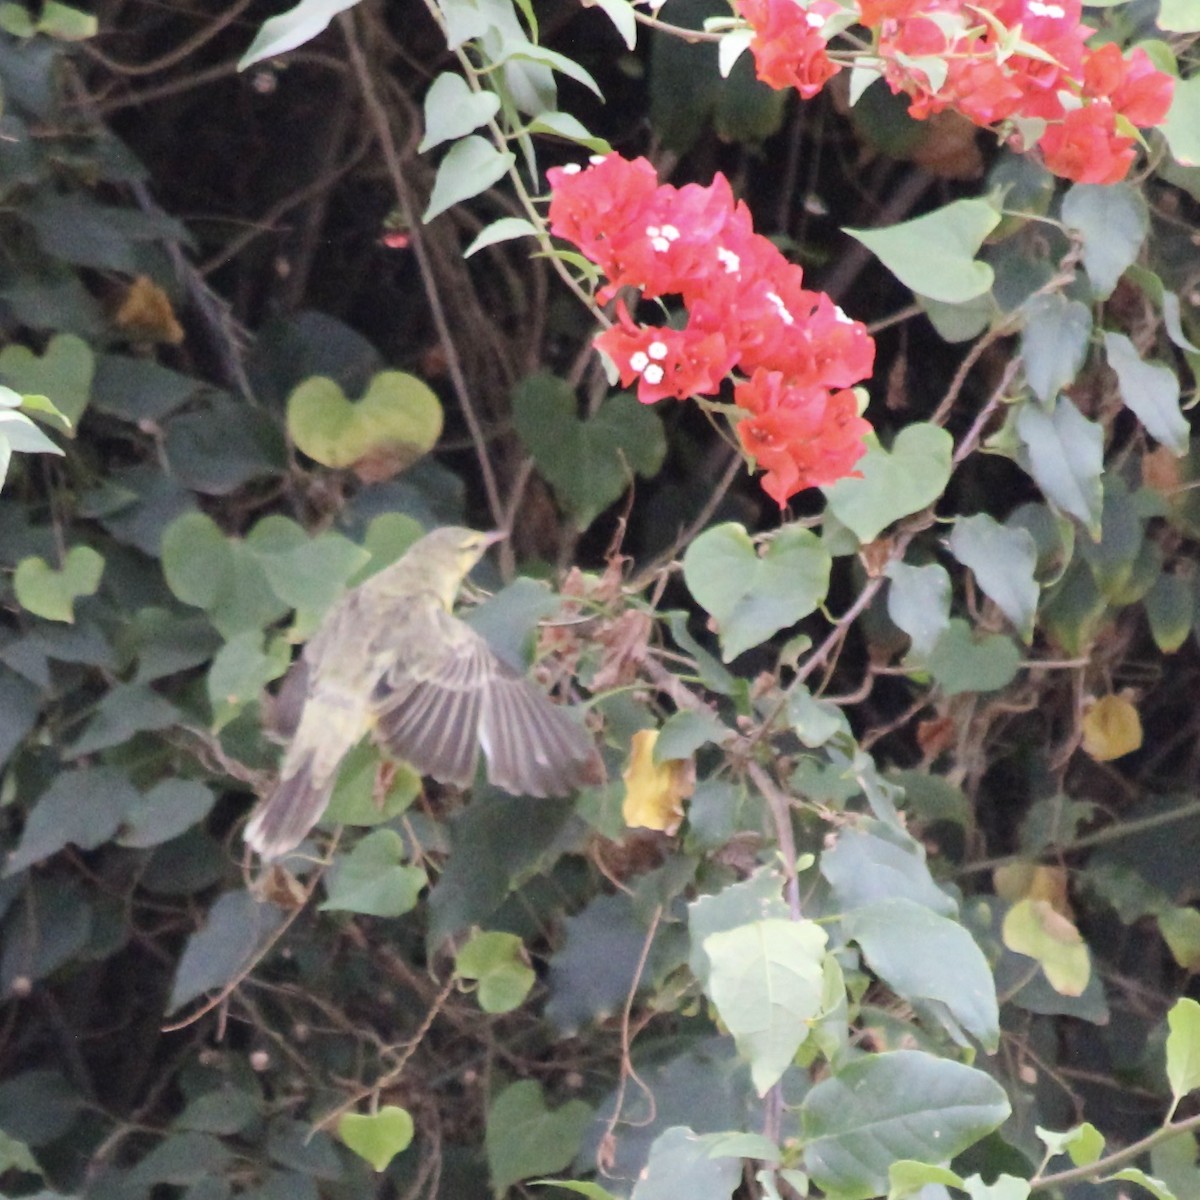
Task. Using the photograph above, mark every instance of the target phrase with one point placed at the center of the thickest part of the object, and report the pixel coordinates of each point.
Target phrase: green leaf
(524, 1138)
(497, 842)
(66, 23)
(592, 974)
(1151, 390)
(379, 1136)
(470, 167)
(1064, 452)
(894, 483)
(686, 731)
(1084, 1143)
(1155, 1187)
(128, 708)
(63, 373)
(750, 596)
(934, 255)
(1006, 1187)
(681, 1164)
(22, 435)
(589, 463)
(622, 14)
(168, 809)
(1182, 126)
(38, 1106)
(758, 898)
(221, 575)
(1116, 556)
(814, 721)
(1034, 929)
(924, 956)
(240, 671)
(1111, 221)
(961, 662)
(581, 1187)
(499, 963)
(396, 422)
(1183, 1047)
(452, 110)
(237, 929)
(180, 1158)
(1054, 342)
(1003, 560)
(1180, 929)
(570, 129)
(1178, 16)
(765, 980)
(918, 601)
(48, 593)
(292, 28)
(356, 798)
(906, 1178)
(1174, 1162)
(885, 1107)
(81, 808)
(865, 867)
(373, 878)
(503, 230)
(223, 1111)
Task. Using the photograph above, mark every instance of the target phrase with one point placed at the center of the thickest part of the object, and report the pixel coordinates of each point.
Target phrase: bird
(391, 658)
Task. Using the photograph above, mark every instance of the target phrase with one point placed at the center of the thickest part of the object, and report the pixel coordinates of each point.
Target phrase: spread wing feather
(427, 706)
(436, 705)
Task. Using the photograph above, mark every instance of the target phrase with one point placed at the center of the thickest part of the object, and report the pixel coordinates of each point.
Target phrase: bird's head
(436, 563)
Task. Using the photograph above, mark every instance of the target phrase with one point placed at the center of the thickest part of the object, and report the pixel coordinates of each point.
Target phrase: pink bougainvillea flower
(788, 47)
(666, 362)
(802, 437)
(1085, 146)
(747, 309)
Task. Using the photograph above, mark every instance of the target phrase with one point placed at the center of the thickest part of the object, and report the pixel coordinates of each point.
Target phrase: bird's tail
(282, 820)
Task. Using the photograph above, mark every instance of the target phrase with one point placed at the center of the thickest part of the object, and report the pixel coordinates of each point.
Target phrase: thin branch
(383, 133)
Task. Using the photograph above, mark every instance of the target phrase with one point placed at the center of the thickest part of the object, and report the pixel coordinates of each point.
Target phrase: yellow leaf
(1033, 928)
(1180, 928)
(655, 792)
(1034, 881)
(1111, 728)
(146, 314)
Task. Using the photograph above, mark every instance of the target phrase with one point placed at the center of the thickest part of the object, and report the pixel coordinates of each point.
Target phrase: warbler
(390, 658)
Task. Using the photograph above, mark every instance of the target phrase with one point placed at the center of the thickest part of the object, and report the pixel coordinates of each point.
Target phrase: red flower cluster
(1012, 61)
(746, 308)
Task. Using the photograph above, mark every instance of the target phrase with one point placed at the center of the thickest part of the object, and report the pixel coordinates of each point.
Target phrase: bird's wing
(446, 694)
(428, 700)
(534, 747)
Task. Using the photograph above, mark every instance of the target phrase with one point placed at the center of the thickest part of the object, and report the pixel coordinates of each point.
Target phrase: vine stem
(1041, 1183)
(437, 311)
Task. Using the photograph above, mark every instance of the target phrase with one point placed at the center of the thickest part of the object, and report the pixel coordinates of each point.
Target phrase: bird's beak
(496, 535)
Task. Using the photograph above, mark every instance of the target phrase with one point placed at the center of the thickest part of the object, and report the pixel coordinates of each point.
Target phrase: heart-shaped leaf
(935, 254)
(524, 1138)
(374, 879)
(48, 593)
(378, 1137)
(588, 463)
(893, 484)
(752, 597)
(397, 422)
(63, 374)
(499, 963)
(452, 110)
(962, 663)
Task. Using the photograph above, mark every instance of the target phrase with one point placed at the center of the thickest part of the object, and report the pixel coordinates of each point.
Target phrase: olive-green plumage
(391, 658)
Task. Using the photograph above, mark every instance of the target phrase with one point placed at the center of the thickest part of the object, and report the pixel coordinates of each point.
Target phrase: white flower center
(785, 316)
